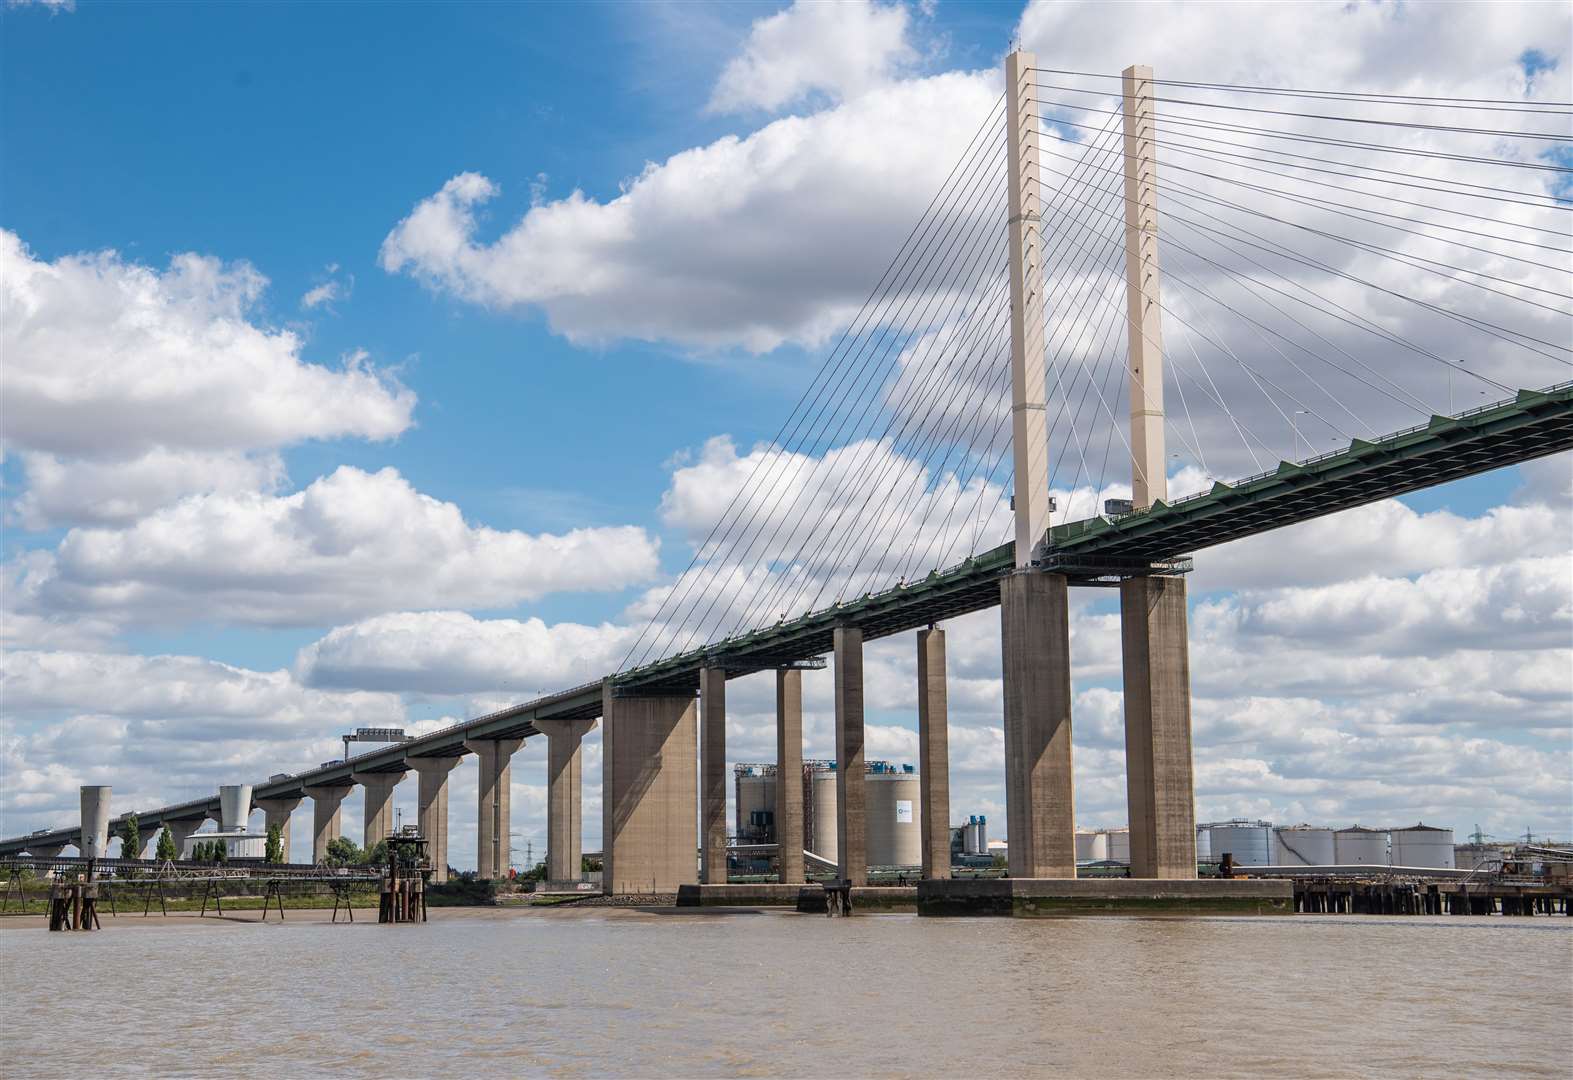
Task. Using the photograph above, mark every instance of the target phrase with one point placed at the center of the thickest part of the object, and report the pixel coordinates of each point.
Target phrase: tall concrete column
(1143, 289)
(277, 812)
(377, 815)
(95, 820)
(492, 850)
(649, 801)
(326, 819)
(1158, 775)
(934, 752)
(851, 815)
(431, 795)
(180, 832)
(564, 797)
(1039, 794)
(712, 776)
(789, 773)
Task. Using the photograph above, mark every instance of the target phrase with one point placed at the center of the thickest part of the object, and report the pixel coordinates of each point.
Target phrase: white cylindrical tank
(975, 837)
(1423, 845)
(1303, 845)
(1484, 858)
(1250, 843)
(825, 843)
(894, 829)
(1360, 846)
(95, 821)
(756, 795)
(1118, 843)
(234, 807)
(1091, 845)
(1204, 850)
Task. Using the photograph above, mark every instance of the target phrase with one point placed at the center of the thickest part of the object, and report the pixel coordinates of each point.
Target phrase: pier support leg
(326, 802)
(1159, 784)
(564, 797)
(712, 776)
(377, 817)
(851, 813)
(180, 832)
(1039, 793)
(650, 803)
(492, 851)
(933, 753)
(431, 801)
(277, 812)
(789, 774)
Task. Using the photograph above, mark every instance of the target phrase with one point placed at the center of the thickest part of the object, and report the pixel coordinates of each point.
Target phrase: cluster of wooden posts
(1332, 896)
(73, 905)
(403, 900)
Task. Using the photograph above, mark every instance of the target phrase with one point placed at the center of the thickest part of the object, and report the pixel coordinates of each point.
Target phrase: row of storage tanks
(1260, 843)
(892, 802)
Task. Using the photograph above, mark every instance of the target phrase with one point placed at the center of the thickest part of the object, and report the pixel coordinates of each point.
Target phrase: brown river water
(627, 993)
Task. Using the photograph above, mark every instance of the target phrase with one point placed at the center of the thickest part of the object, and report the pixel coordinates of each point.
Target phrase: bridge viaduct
(663, 724)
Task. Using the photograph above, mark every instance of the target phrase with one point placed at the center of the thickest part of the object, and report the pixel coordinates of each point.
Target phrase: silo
(975, 836)
(1249, 843)
(234, 807)
(1423, 845)
(755, 791)
(1091, 846)
(1303, 845)
(825, 844)
(894, 829)
(1359, 846)
(1119, 845)
(95, 822)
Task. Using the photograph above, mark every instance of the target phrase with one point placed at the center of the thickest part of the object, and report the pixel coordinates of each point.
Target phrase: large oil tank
(755, 790)
(825, 844)
(1119, 845)
(1303, 845)
(1359, 846)
(894, 829)
(1485, 858)
(234, 807)
(1250, 843)
(1091, 845)
(1423, 845)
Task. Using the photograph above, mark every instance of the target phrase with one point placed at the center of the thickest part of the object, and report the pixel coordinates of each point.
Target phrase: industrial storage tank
(1249, 843)
(1091, 846)
(1359, 846)
(1204, 850)
(824, 788)
(895, 831)
(1486, 858)
(755, 790)
(975, 836)
(1303, 845)
(1423, 845)
(1118, 842)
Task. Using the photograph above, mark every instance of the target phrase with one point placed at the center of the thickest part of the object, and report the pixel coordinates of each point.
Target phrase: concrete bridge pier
(649, 801)
(1040, 807)
(564, 797)
(934, 753)
(431, 793)
(377, 816)
(326, 805)
(277, 812)
(1159, 785)
(789, 774)
(180, 832)
(712, 776)
(495, 803)
(851, 801)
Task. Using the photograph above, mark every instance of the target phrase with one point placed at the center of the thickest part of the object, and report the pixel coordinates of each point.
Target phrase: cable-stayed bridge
(1359, 295)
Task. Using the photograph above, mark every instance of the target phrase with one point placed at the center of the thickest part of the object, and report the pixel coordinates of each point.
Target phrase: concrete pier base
(1159, 785)
(1040, 804)
(712, 776)
(800, 897)
(277, 812)
(789, 773)
(933, 753)
(326, 805)
(180, 832)
(431, 802)
(650, 804)
(851, 804)
(495, 805)
(1047, 897)
(564, 797)
(377, 815)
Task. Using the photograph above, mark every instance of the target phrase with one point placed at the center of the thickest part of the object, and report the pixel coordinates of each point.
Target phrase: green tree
(273, 852)
(130, 839)
(220, 852)
(342, 851)
(165, 850)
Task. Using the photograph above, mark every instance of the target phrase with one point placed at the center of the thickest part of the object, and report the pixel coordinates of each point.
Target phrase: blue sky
(296, 139)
